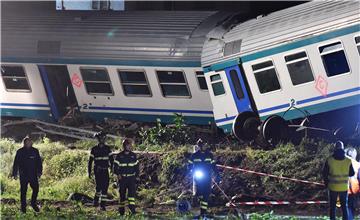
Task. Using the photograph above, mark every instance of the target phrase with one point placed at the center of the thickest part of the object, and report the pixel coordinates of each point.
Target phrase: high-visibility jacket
(339, 174)
(126, 164)
(203, 160)
(354, 187)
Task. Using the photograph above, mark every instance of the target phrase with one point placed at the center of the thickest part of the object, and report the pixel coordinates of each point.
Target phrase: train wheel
(246, 126)
(274, 129)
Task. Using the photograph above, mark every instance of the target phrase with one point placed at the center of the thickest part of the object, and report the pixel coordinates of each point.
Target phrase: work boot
(121, 211)
(35, 207)
(132, 210)
(96, 201)
(23, 209)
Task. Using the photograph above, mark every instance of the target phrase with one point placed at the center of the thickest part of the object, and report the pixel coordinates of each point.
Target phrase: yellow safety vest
(339, 174)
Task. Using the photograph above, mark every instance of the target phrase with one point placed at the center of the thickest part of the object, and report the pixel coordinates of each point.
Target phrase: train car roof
(277, 28)
(33, 32)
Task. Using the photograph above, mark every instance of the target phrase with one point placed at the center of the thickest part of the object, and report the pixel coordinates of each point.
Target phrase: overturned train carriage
(287, 72)
(137, 65)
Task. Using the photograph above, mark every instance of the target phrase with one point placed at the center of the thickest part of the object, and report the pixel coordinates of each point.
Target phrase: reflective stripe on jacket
(339, 174)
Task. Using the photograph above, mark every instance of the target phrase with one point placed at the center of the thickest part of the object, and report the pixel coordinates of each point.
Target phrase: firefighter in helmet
(101, 155)
(126, 167)
(202, 166)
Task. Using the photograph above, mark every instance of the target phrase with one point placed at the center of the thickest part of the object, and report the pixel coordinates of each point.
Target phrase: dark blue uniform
(126, 165)
(102, 158)
(203, 161)
(29, 165)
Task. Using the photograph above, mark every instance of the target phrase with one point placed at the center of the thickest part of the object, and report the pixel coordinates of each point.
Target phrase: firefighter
(126, 167)
(202, 165)
(354, 183)
(337, 170)
(29, 165)
(101, 155)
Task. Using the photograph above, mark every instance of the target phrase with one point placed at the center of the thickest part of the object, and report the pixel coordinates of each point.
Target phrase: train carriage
(136, 65)
(286, 69)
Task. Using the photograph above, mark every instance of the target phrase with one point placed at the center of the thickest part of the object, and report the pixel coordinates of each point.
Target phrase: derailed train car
(136, 65)
(291, 70)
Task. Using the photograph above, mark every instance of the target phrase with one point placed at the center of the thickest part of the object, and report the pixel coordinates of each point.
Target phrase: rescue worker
(126, 167)
(336, 173)
(29, 165)
(101, 155)
(354, 183)
(202, 166)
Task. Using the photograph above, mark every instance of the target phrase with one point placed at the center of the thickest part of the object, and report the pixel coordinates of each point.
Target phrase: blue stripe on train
(342, 92)
(287, 105)
(337, 104)
(99, 116)
(150, 110)
(26, 113)
(283, 48)
(23, 104)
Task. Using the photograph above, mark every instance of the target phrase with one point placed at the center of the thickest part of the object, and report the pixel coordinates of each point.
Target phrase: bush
(173, 166)
(178, 133)
(10, 188)
(49, 149)
(66, 164)
(62, 189)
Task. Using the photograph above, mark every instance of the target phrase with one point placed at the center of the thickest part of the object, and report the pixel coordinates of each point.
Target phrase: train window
(201, 80)
(173, 83)
(134, 83)
(357, 41)
(217, 85)
(299, 68)
(15, 78)
(334, 59)
(266, 77)
(232, 47)
(97, 81)
(236, 82)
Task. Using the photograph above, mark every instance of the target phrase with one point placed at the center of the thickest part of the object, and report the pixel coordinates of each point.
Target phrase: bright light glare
(198, 174)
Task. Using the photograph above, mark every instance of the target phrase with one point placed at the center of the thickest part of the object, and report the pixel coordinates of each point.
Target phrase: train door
(238, 89)
(245, 126)
(59, 90)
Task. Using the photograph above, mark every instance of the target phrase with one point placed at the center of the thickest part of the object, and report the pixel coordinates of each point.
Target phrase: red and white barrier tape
(232, 204)
(270, 175)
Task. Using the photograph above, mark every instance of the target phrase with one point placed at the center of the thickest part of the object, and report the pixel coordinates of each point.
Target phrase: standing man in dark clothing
(337, 170)
(202, 165)
(127, 169)
(102, 156)
(29, 165)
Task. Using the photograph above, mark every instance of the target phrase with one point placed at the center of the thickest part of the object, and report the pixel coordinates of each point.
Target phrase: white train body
(302, 61)
(144, 66)
(53, 61)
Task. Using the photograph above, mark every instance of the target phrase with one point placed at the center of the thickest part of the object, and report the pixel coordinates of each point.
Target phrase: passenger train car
(296, 68)
(136, 65)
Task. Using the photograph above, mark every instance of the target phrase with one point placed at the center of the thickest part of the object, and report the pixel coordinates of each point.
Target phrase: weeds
(177, 133)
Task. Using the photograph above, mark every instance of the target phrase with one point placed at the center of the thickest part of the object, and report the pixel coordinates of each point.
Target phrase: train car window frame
(202, 77)
(185, 83)
(127, 83)
(261, 69)
(334, 51)
(94, 81)
(357, 43)
(11, 77)
(296, 60)
(220, 80)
